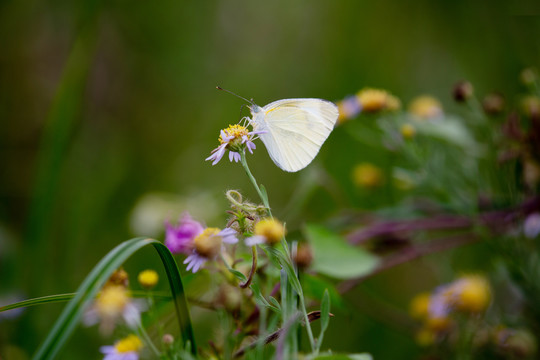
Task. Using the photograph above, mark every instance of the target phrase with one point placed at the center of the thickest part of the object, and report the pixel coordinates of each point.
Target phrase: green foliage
(335, 258)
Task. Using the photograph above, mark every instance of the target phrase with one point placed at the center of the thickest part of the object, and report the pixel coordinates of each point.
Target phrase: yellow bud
(408, 131)
(148, 278)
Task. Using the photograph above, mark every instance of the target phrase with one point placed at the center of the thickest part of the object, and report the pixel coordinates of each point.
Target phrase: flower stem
(142, 332)
(254, 182)
(264, 199)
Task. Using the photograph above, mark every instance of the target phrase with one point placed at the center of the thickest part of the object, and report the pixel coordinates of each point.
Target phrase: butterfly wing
(295, 130)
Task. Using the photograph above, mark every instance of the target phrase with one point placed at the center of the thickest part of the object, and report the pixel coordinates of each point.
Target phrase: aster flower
(208, 245)
(235, 138)
(179, 238)
(125, 349)
(112, 305)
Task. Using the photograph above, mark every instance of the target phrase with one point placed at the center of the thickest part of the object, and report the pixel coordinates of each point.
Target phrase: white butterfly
(293, 130)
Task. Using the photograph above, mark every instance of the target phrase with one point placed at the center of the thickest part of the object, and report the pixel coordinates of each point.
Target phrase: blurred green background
(108, 110)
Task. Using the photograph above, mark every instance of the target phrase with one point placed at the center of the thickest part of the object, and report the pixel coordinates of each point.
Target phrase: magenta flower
(179, 238)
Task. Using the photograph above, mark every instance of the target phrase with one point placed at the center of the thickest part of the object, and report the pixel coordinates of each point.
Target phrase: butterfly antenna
(238, 96)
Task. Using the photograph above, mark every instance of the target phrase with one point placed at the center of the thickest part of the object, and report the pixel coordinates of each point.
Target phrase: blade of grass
(89, 288)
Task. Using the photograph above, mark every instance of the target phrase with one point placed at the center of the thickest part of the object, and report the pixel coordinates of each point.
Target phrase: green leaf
(285, 265)
(261, 300)
(325, 311)
(264, 193)
(239, 275)
(89, 288)
(334, 257)
(325, 317)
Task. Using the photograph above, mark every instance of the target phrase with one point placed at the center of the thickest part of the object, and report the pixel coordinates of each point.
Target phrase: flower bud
(148, 278)
(493, 104)
(303, 256)
(472, 294)
(528, 76)
(407, 131)
(167, 339)
(119, 277)
(462, 91)
(531, 106)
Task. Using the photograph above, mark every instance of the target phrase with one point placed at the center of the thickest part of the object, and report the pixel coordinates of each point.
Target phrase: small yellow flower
(426, 107)
(367, 175)
(472, 294)
(420, 305)
(272, 230)
(148, 278)
(208, 243)
(131, 343)
(372, 100)
(408, 131)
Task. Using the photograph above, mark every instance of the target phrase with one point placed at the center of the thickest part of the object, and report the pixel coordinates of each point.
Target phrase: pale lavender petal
(194, 262)
(251, 146)
(531, 227)
(255, 240)
(107, 349)
(350, 106)
(225, 137)
(217, 154)
(132, 315)
(228, 236)
(234, 156)
(198, 263)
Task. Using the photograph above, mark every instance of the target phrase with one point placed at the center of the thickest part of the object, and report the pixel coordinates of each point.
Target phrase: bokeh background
(109, 108)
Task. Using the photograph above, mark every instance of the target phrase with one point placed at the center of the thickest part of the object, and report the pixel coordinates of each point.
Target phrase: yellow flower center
(112, 301)
(237, 131)
(128, 344)
(372, 100)
(473, 294)
(208, 243)
(272, 230)
(426, 107)
(148, 278)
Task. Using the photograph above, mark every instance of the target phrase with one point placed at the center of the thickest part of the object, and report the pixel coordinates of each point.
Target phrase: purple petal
(251, 146)
(217, 154)
(179, 239)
